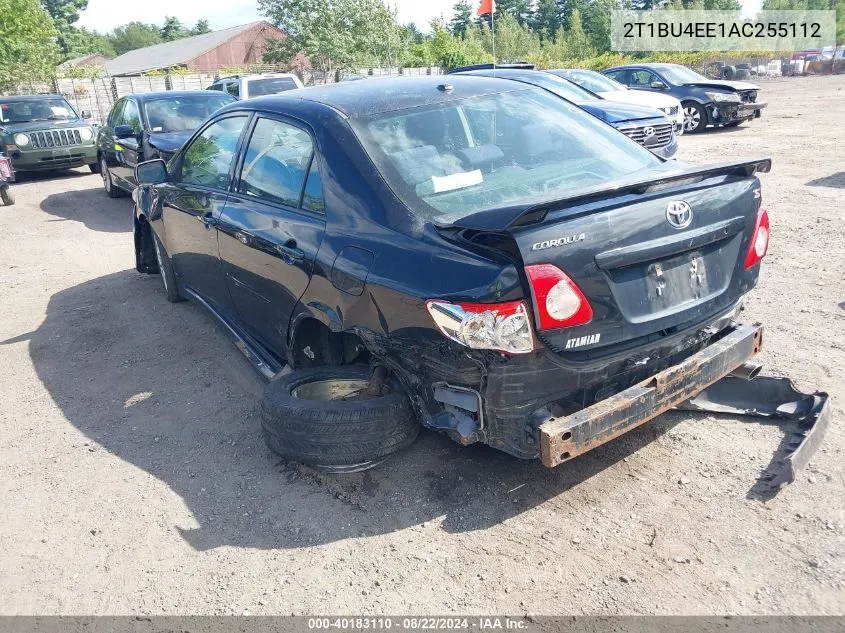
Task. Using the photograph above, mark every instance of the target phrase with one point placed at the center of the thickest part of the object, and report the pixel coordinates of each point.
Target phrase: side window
(208, 160)
(642, 78)
(233, 88)
(312, 199)
(217, 87)
(116, 113)
(617, 75)
(131, 116)
(276, 162)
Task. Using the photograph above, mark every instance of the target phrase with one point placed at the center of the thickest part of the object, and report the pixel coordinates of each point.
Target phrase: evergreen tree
(545, 21)
(462, 20)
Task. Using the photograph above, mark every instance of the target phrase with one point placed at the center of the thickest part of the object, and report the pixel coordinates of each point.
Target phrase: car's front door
(128, 151)
(272, 227)
(193, 204)
(642, 79)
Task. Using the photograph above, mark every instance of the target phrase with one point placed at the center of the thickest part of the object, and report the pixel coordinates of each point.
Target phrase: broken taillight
(560, 302)
(759, 240)
(504, 327)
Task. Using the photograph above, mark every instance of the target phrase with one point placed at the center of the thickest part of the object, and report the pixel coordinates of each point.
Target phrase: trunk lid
(652, 259)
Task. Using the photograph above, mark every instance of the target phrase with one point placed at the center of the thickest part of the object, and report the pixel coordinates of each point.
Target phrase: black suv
(473, 256)
(705, 101)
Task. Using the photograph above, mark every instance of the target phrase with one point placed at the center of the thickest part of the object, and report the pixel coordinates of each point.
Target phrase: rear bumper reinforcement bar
(562, 439)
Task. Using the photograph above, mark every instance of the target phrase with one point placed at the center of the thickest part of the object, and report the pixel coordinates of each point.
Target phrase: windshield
(681, 74)
(183, 114)
(591, 80)
(512, 149)
(56, 109)
(560, 86)
(272, 86)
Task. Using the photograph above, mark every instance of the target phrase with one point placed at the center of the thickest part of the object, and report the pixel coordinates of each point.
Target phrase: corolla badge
(679, 214)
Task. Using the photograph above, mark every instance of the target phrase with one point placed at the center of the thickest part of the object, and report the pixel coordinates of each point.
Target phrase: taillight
(504, 327)
(560, 302)
(759, 240)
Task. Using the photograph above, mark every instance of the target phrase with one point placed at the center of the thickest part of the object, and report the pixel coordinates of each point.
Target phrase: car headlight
(21, 140)
(86, 134)
(723, 97)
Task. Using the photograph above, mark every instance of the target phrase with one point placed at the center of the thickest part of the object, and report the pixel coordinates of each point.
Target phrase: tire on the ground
(336, 434)
(165, 268)
(7, 196)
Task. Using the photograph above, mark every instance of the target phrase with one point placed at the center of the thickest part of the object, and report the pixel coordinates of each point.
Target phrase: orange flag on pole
(487, 6)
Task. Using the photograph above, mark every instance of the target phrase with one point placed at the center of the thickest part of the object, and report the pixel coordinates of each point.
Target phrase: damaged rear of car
(494, 264)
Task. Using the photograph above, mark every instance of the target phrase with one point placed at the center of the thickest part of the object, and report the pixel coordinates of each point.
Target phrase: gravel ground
(133, 479)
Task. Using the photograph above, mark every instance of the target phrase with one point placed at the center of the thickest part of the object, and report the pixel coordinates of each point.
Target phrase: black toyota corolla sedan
(150, 125)
(470, 254)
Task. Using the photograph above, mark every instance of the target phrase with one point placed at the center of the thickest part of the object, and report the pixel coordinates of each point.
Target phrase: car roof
(14, 98)
(174, 94)
(357, 99)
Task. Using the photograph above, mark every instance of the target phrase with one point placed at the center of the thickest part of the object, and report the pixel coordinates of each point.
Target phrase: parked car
(44, 133)
(472, 254)
(149, 125)
(611, 90)
(705, 101)
(249, 86)
(7, 177)
(649, 127)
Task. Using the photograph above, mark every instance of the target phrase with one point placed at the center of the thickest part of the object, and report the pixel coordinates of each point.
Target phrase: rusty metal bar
(562, 439)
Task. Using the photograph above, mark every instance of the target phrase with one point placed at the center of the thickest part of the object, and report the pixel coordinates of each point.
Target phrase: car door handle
(208, 220)
(290, 252)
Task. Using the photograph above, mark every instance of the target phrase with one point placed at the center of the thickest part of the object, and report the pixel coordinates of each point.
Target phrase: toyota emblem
(679, 214)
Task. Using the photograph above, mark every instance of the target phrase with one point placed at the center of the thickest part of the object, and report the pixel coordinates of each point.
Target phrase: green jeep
(44, 133)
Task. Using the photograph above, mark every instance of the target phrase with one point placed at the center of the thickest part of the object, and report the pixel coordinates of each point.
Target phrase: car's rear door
(272, 227)
(193, 204)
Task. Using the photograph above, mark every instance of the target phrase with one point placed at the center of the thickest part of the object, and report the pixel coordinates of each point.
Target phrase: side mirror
(152, 172)
(658, 85)
(86, 114)
(124, 131)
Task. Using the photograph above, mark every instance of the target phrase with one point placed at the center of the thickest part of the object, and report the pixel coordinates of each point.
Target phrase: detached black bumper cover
(778, 399)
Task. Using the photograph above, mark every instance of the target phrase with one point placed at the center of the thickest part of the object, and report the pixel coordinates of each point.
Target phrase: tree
(172, 29)
(462, 20)
(201, 27)
(28, 51)
(576, 39)
(81, 41)
(134, 35)
(65, 13)
(546, 21)
(333, 34)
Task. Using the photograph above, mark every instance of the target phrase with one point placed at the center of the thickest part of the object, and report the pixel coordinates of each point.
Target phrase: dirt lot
(133, 478)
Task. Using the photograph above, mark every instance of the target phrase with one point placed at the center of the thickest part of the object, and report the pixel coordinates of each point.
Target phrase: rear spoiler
(513, 217)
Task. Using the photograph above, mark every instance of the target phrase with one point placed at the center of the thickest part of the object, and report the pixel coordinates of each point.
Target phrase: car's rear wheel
(165, 268)
(7, 196)
(695, 117)
(327, 418)
(112, 189)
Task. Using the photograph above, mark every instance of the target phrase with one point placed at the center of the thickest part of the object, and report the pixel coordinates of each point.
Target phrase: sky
(101, 15)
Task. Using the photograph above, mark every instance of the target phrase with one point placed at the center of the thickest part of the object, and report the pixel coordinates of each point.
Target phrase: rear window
(272, 86)
(513, 149)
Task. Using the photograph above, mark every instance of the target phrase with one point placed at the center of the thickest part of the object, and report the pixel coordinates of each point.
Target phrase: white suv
(248, 86)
